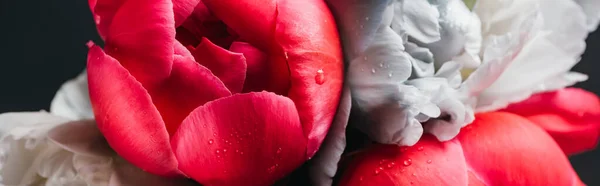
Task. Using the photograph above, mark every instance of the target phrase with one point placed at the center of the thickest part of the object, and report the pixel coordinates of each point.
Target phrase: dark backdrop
(42, 44)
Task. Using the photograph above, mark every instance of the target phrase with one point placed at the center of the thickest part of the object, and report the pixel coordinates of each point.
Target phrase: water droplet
(413, 174)
(214, 134)
(236, 151)
(210, 141)
(366, 18)
(361, 178)
(218, 151)
(407, 162)
(382, 161)
(390, 75)
(429, 161)
(377, 171)
(241, 153)
(390, 165)
(224, 150)
(279, 151)
(373, 71)
(365, 58)
(362, 26)
(420, 148)
(380, 65)
(319, 78)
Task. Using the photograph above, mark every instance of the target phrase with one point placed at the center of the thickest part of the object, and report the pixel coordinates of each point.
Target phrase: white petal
(591, 9)
(460, 35)
(419, 19)
(72, 100)
(549, 54)
(22, 143)
(324, 164)
(375, 76)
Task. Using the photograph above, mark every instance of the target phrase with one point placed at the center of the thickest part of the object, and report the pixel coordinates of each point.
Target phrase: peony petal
(141, 37)
(324, 164)
(125, 174)
(560, 42)
(420, 20)
(252, 19)
(73, 99)
(126, 116)
(506, 149)
(183, 9)
(571, 116)
(590, 7)
(189, 86)
(230, 67)
(217, 143)
(429, 162)
(257, 66)
(22, 139)
(307, 35)
(104, 12)
(358, 21)
(81, 137)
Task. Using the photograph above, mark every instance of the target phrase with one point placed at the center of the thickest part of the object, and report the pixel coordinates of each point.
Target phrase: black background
(42, 44)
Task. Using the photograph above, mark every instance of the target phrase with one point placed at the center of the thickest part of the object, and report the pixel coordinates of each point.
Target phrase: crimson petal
(141, 37)
(126, 116)
(228, 66)
(506, 149)
(571, 116)
(183, 9)
(315, 63)
(429, 162)
(257, 66)
(244, 139)
(189, 86)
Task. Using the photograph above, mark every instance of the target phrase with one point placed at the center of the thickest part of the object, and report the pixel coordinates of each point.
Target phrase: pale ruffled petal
(375, 76)
(419, 19)
(556, 44)
(591, 9)
(324, 164)
(460, 35)
(25, 153)
(72, 100)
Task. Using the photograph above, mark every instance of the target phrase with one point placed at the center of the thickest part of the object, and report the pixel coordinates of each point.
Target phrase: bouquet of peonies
(317, 92)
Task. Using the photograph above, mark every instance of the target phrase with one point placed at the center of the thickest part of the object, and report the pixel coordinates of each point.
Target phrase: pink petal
(258, 67)
(571, 116)
(126, 174)
(252, 19)
(506, 149)
(230, 67)
(429, 162)
(189, 86)
(183, 9)
(244, 139)
(126, 116)
(141, 37)
(306, 33)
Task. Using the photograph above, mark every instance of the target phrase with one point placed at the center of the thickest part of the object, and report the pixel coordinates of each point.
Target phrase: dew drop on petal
(380, 65)
(210, 141)
(367, 18)
(279, 150)
(320, 77)
(420, 148)
(407, 162)
(372, 71)
(218, 151)
(429, 161)
(224, 150)
(390, 75)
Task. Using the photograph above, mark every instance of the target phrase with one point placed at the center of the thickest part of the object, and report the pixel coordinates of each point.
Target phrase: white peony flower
(428, 65)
